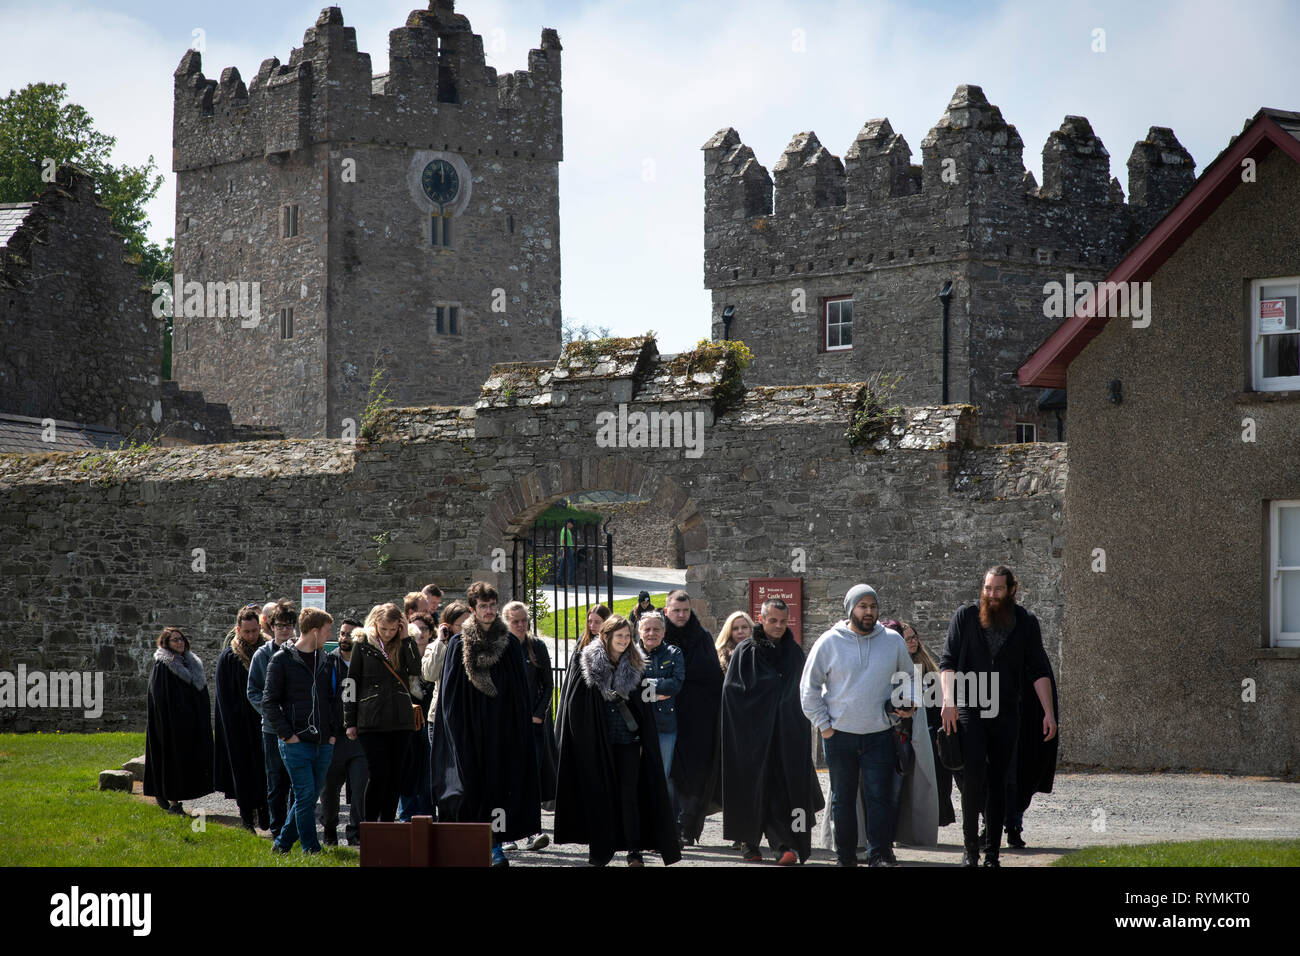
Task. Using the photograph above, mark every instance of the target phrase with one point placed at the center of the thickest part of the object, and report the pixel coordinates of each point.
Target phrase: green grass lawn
(53, 814)
(578, 615)
(1194, 853)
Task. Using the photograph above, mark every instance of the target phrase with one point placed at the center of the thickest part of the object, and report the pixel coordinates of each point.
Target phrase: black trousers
(353, 773)
(627, 766)
(386, 751)
(988, 747)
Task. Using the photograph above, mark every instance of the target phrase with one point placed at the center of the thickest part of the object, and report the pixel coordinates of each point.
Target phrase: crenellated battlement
(971, 192)
(438, 93)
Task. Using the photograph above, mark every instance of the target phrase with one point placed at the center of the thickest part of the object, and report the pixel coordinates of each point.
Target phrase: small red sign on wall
(789, 590)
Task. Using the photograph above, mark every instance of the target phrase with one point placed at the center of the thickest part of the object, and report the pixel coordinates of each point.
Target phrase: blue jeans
(568, 568)
(867, 759)
(667, 746)
(306, 765)
(279, 793)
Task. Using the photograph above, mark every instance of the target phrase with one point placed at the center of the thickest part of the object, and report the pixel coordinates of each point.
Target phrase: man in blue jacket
(278, 792)
(666, 670)
(304, 703)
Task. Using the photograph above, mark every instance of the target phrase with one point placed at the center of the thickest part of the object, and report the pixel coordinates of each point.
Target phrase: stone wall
(890, 234)
(99, 551)
(363, 275)
(78, 341)
(643, 536)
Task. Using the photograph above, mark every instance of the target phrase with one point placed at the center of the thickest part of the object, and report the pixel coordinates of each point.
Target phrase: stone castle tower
(409, 219)
(866, 245)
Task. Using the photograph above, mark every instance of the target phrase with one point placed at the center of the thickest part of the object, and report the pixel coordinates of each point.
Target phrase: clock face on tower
(440, 182)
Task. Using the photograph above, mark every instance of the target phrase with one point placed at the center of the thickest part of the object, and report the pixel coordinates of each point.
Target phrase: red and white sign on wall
(789, 590)
(313, 593)
(1272, 315)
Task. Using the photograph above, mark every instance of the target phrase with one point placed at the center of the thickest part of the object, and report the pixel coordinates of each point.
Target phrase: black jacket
(178, 736)
(699, 706)
(1019, 662)
(301, 700)
(587, 807)
(344, 749)
(376, 700)
(238, 769)
(768, 779)
(484, 758)
(541, 688)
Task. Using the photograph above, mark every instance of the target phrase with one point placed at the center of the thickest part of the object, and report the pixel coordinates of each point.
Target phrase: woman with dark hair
(611, 793)
(383, 710)
(178, 732)
(923, 659)
(596, 616)
(239, 767)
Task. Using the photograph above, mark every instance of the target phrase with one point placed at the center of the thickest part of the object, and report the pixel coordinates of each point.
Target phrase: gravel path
(1086, 809)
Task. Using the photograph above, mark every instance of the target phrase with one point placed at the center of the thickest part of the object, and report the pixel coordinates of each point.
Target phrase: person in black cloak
(541, 683)
(484, 767)
(239, 768)
(611, 793)
(572, 670)
(699, 704)
(769, 784)
(178, 732)
(1034, 766)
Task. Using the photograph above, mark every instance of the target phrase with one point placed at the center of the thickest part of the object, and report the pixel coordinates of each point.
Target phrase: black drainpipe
(945, 296)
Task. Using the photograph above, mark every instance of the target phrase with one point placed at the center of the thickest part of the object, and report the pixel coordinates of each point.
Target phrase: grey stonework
(643, 537)
(99, 555)
(890, 234)
(79, 340)
(363, 275)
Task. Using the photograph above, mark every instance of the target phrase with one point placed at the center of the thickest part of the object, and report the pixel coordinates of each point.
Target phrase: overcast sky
(653, 80)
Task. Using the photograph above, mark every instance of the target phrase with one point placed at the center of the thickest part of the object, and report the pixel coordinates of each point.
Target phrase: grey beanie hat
(856, 594)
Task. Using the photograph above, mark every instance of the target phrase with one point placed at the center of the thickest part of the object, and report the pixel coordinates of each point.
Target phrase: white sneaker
(509, 847)
(538, 842)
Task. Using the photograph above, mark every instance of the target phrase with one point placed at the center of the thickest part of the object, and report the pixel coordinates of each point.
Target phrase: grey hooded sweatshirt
(848, 677)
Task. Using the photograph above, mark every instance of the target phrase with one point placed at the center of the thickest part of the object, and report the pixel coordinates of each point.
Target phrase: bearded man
(992, 649)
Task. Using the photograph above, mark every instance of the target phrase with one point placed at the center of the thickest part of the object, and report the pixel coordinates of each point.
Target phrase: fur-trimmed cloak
(178, 732)
(484, 764)
(238, 769)
(769, 784)
(587, 808)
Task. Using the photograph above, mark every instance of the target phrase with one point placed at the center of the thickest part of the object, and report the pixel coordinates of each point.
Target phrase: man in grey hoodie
(847, 682)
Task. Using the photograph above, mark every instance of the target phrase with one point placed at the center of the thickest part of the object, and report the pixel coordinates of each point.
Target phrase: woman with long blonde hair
(383, 707)
(735, 629)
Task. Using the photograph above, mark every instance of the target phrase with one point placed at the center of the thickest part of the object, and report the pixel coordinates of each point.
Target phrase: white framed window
(1026, 432)
(1284, 576)
(837, 324)
(1275, 334)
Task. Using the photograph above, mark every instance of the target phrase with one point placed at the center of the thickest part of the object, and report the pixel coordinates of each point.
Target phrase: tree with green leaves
(39, 131)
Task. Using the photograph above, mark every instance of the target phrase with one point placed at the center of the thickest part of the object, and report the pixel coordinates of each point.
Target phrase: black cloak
(587, 806)
(1035, 762)
(699, 707)
(484, 767)
(238, 768)
(541, 681)
(177, 738)
(769, 783)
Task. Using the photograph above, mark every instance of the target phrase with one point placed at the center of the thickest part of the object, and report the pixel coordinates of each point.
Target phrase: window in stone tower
(289, 220)
(1026, 432)
(446, 319)
(440, 230)
(286, 323)
(837, 324)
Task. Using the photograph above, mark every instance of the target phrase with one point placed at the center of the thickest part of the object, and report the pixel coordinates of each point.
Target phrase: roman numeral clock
(440, 184)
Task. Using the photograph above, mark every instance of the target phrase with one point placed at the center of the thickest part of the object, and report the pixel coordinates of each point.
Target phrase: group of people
(450, 713)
